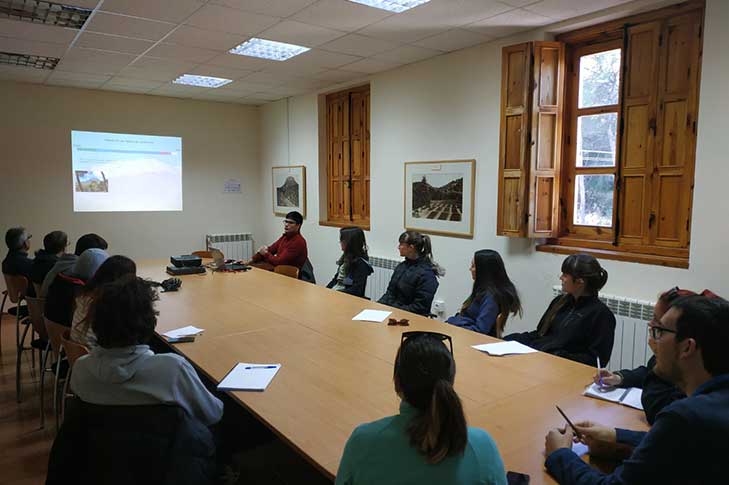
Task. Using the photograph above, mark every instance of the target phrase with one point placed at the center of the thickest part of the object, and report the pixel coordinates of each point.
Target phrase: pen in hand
(599, 373)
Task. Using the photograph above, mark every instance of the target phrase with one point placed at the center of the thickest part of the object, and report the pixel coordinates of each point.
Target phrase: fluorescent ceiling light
(49, 13)
(396, 6)
(28, 60)
(202, 81)
(268, 49)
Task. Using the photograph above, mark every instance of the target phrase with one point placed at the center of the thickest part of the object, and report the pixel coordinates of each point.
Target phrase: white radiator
(378, 281)
(233, 246)
(631, 330)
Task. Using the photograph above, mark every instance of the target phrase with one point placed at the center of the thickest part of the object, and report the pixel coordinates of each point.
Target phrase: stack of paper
(249, 377)
(378, 316)
(628, 397)
(183, 332)
(504, 348)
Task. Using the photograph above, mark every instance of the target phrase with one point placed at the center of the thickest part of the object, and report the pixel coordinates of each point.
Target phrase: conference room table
(337, 373)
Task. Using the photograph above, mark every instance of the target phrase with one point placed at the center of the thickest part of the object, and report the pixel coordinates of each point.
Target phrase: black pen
(577, 433)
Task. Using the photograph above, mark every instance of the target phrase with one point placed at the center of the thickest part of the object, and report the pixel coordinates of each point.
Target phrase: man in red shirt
(289, 249)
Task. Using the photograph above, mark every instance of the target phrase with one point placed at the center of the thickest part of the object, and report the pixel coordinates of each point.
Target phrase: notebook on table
(249, 377)
(630, 396)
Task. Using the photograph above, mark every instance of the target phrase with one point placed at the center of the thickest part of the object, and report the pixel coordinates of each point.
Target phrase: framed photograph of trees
(439, 197)
(289, 189)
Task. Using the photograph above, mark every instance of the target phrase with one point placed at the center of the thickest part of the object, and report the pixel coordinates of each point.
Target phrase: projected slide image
(126, 172)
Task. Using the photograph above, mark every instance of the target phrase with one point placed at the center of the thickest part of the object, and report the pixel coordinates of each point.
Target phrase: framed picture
(289, 189)
(439, 197)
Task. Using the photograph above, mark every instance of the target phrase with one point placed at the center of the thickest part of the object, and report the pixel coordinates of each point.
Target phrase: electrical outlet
(439, 306)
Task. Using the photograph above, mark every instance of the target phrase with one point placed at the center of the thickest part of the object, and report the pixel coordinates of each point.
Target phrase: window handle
(651, 219)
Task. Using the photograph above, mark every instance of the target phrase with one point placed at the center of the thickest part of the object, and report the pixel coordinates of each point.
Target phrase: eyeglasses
(289, 221)
(656, 331)
(394, 321)
(406, 336)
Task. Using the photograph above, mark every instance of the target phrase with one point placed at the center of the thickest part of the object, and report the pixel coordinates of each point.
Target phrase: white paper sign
(231, 186)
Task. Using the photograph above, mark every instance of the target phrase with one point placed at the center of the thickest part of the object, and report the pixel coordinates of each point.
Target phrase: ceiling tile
(94, 61)
(154, 69)
(20, 46)
(324, 59)
(263, 79)
(275, 8)
(181, 53)
(128, 82)
(124, 89)
(340, 14)
(560, 10)
(178, 91)
(167, 10)
(407, 54)
(359, 45)
(287, 91)
(58, 76)
(370, 66)
(240, 62)
(306, 84)
(218, 71)
(217, 18)
(454, 13)
(107, 23)
(300, 33)
(453, 40)
(404, 27)
(237, 88)
(39, 32)
(113, 43)
(27, 74)
(75, 83)
(337, 76)
(509, 23)
(204, 39)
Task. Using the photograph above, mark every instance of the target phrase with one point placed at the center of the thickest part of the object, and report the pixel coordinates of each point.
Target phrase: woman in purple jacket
(492, 293)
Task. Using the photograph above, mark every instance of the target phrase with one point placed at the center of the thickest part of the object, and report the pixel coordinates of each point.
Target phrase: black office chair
(115, 445)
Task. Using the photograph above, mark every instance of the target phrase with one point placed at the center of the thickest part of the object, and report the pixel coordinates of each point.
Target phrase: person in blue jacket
(414, 281)
(492, 293)
(353, 268)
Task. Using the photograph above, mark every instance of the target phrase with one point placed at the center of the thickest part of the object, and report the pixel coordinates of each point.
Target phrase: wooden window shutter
(513, 150)
(338, 157)
(360, 141)
(530, 145)
(545, 144)
(678, 98)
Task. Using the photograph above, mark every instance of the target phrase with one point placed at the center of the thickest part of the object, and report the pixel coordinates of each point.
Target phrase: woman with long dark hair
(353, 267)
(576, 325)
(493, 293)
(414, 281)
(429, 442)
(110, 270)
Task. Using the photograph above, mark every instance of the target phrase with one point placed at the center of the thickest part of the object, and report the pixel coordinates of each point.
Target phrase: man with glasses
(289, 249)
(17, 262)
(689, 441)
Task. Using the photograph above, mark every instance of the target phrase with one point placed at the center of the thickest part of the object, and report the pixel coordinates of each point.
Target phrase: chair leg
(65, 392)
(55, 388)
(2, 312)
(42, 385)
(17, 364)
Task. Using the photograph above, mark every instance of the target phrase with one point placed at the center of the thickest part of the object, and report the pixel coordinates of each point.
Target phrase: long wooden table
(337, 373)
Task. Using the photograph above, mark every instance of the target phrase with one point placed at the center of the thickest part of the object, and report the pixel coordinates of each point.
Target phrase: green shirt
(380, 453)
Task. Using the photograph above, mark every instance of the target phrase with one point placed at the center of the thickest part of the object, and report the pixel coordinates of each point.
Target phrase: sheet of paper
(183, 332)
(633, 398)
(504, 348)
(378, 316)
(249, 377)
(580, 449)
(609, 394)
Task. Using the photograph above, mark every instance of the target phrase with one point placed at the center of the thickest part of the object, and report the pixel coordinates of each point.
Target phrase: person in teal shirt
(429, 441)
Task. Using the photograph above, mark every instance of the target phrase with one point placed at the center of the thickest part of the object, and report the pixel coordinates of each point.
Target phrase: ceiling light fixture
(396, 6)
(268, 49)
(27, 60)
(202, 81)
(48, 13)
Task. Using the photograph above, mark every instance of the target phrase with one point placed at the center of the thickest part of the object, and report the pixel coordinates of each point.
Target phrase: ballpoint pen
(260, 367)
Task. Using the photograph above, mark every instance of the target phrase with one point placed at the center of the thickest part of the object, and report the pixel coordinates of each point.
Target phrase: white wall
(219, 141)
(448, 108)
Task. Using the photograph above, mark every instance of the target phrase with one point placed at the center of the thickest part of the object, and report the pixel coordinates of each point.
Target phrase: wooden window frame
(347, 174)
(608, 243)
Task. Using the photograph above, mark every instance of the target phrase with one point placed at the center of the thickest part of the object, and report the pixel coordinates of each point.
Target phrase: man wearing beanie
(289, 249)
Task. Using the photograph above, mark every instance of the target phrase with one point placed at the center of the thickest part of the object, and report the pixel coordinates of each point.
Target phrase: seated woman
(354, 264)
(493, 293)
(122, 370)
(110, 270)
(576, 325)
(414, 281)
(429, 441)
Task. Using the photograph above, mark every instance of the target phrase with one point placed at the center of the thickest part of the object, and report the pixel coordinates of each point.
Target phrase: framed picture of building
(439, 197)
(289, 189)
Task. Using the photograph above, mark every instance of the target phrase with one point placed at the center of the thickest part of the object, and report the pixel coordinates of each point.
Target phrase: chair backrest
(17, 286)
(203, 254)
(35, 310)
(286, 270)
(73, 350)
(501, 324)
(37, 288)
(55, 334)
(114, 445)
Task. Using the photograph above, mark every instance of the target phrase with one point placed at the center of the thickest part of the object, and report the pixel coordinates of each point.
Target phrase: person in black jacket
(414, 281)
(576, 325)
(17, 262)
(54, 243)
(353, 267)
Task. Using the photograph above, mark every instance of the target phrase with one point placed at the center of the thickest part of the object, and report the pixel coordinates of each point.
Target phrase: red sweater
(287, 249)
